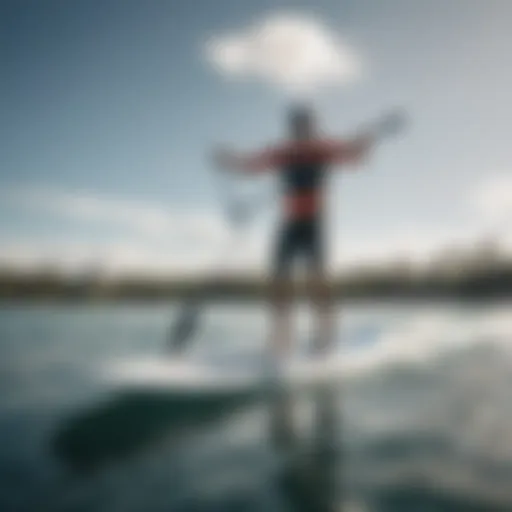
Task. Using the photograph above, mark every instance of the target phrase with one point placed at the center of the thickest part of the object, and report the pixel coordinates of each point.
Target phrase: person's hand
(391, 124)
(360, 147)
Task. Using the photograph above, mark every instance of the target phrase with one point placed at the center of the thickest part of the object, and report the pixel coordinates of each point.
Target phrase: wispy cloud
(110, 258)
(143, 236)
(293, 51)
(142, 218)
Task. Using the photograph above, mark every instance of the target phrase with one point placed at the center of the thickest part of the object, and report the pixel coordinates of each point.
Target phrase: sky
(110, 111)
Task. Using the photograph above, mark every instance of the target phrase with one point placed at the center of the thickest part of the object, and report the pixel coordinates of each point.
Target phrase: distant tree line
(399, 281)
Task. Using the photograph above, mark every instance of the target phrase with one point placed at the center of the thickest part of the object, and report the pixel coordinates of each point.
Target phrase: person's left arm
(352, 151)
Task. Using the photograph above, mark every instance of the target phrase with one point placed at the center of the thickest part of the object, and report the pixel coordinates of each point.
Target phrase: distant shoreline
(62, 302)
(484, 274)
(37, 290)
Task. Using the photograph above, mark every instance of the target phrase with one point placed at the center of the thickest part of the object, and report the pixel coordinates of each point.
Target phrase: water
(422, 419)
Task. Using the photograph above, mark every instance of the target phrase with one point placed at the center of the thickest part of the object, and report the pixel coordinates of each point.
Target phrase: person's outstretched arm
(358, 148)
(251, 162)
(352, 151)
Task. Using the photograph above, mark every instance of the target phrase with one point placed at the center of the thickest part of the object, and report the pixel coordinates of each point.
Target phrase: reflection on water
(310, 477)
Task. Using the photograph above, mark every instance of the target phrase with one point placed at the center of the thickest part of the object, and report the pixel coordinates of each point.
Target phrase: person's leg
(321, 293)
(320, 290)
(281, 337)
(280, 343)
(281, 293)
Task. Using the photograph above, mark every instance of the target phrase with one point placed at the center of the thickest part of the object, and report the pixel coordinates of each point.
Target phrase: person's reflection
(309, 473)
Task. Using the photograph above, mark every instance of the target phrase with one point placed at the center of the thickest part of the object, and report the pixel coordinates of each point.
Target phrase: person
(302, 161)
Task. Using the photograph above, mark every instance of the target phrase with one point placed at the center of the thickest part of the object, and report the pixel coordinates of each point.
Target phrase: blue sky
(109, 111)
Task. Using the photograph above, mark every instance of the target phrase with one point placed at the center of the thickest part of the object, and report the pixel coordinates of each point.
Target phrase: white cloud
(292, 51)
(493, 199)
(414, 244)
(491, 204)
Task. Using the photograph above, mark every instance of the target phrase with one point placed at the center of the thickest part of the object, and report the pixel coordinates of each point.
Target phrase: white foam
(155, 372)
(426, 336)
(199, 375)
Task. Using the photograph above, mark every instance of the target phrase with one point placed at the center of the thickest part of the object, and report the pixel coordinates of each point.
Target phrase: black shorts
(299, 238)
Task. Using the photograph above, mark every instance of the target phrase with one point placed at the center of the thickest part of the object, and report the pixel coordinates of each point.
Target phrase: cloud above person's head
(294, 52)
